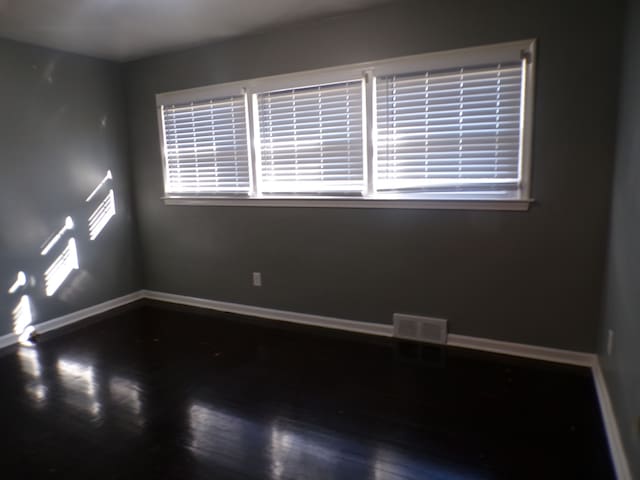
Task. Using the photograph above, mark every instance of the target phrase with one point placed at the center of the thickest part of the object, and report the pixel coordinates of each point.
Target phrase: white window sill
(506, 202)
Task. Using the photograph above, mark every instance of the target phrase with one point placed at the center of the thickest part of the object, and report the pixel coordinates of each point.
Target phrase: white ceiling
(126, 29)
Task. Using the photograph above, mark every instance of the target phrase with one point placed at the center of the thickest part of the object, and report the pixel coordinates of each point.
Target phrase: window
(453, 129)
(444, 130)
(311, 139)
(206, 146)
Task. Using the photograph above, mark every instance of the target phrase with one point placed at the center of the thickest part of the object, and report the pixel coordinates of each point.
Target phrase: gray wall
(622, 305)
(61, 128)
(532, 277)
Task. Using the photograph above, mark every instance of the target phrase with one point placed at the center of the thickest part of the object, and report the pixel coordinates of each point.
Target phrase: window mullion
(250, 149)
(256, 149)
(368, 115)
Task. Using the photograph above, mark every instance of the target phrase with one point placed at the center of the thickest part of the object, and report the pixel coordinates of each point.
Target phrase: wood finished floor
(159, 393)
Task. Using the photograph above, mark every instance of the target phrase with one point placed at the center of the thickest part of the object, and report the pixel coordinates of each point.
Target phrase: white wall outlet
(257, 279)
(610, 334)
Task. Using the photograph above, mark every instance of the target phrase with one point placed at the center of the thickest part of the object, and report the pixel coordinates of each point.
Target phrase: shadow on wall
(61, 257)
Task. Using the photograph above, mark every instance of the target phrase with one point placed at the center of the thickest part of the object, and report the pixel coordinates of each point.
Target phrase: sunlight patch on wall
(22, 313)
(20, 282)
(101, 216)
(68, 225)
(22, 319)
(61, 268)
(107, 177)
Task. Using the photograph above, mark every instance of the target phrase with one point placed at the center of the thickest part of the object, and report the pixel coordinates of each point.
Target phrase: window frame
(302, 80)
(519, 199)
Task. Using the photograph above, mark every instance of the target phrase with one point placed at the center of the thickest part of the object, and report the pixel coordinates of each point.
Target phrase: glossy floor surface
(157, 393)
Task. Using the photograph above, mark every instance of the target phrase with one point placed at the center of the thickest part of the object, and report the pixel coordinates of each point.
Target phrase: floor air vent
(421, 329)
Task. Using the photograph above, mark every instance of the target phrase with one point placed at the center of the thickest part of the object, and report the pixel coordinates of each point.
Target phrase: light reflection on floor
(78, 380)
(221, 409)
(32, 369)
(225, 439)
(218, 436)
(126, 403)
(390, 464)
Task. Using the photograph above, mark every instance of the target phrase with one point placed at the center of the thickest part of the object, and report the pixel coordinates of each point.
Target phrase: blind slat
(458, 128)
(206, 147)
(311, 139)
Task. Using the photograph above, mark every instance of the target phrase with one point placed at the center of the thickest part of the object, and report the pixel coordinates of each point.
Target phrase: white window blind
(455, 129)
(436, 130)
(311, 139)
(206, 147)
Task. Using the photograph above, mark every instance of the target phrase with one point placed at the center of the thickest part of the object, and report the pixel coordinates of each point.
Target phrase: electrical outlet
(257, 279)
(610, 334)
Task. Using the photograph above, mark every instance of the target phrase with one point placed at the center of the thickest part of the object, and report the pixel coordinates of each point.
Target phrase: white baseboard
(89, 312)
(78, 315)
(616, 447)
(368, 328)
(273, 314)
(557, 355)
(589, 360)
(484, 344)
(569, 357)
(8, 340)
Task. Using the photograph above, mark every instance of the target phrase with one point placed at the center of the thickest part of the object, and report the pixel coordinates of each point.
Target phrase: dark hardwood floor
(156, 392)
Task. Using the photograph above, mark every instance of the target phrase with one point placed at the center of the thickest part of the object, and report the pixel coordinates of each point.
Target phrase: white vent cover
(421, 329)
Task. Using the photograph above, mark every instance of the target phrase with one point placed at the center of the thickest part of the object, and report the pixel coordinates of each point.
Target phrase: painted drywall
(533, 277)
(61, 129)
(622, 299)
(120, 30)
